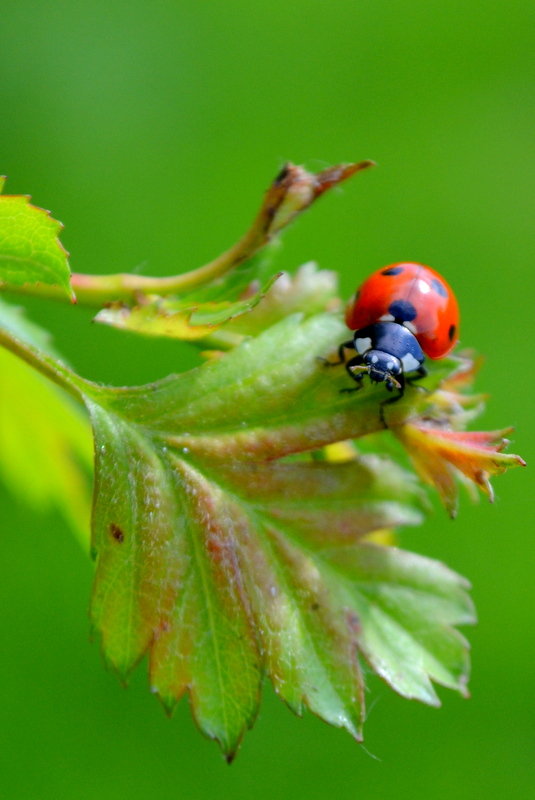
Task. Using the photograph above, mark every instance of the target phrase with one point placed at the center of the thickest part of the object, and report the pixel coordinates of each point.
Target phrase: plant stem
(51, 369)
(96, 290)
(293, 190)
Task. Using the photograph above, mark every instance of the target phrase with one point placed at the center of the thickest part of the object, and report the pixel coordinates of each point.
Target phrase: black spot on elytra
(451, 332)
(439, 288)
(116, 532)
(315, 606)
(402, 311)
(392, 271)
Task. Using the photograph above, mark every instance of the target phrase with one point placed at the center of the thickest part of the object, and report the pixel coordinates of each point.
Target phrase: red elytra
(414, 295)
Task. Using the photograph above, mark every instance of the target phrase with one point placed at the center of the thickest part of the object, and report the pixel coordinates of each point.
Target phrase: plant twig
(50, 368)
(293, 190)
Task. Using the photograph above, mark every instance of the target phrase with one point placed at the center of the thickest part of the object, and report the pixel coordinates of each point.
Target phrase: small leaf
(30, 251)
(179, 319)
(438, 453)
(309, 291)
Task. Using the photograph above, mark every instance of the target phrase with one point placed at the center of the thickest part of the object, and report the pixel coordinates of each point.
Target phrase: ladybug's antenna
(359, 368)
(389, 378)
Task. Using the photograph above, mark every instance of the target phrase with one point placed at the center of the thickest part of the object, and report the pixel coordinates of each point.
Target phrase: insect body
(400, 314)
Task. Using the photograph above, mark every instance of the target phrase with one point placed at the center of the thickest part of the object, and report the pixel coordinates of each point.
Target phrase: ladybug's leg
(420, 373)
(401, 380)
(356, 376)
(341, 355)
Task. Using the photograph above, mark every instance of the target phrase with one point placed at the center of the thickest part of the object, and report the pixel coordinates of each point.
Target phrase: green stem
(291, 193)
(52, 370)
(97, 290)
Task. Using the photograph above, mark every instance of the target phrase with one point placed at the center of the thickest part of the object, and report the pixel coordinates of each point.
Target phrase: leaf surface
(225, 563)
(226, 554)
(30, 250)
(187, 318)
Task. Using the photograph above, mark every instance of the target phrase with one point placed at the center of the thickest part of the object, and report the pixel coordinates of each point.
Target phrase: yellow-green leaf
(30, 250)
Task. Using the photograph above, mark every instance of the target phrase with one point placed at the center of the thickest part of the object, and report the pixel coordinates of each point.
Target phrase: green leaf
(183, 318)
(220, 560)
(30, 251)
(216, 568)
(310, 291)
(224, 558)
(199, 314)
(407, 606)
(46, 449)
(267, 398)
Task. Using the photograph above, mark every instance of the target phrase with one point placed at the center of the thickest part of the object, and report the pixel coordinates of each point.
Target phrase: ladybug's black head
(382, 366)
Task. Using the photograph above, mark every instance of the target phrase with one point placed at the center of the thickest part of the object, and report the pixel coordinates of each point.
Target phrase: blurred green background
(151, 130)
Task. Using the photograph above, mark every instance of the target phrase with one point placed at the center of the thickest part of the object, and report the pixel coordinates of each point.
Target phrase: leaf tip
(463, 688)
(355, 732)
(168, 702)
(332, 176)
(351, 169)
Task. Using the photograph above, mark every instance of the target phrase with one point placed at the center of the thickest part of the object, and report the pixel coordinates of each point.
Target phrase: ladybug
(400, 314)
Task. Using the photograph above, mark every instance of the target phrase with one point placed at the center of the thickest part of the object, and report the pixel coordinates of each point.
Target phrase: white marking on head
(375, 359)
(390, 365)
(386, 318)
(410, 363)
(362, 345)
